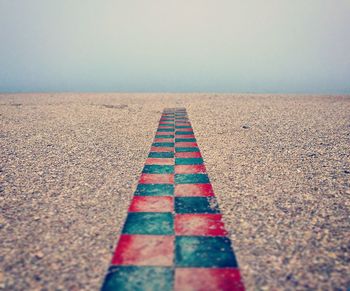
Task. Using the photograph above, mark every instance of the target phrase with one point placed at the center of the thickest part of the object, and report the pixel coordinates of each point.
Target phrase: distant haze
(286, 46)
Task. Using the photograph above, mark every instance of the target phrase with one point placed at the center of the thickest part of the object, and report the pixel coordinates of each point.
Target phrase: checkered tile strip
(174, 237)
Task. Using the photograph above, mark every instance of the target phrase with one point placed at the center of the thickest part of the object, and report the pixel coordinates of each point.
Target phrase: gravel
(279, 165)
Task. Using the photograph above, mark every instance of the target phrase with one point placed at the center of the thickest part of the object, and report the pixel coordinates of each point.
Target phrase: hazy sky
(175, 46)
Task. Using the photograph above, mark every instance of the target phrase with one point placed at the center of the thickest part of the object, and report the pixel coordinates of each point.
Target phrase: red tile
(194, 190)
(185, 136)
(186, 144)
(199, 224)
(188, 155)
(160, 161)
(208, 279)
(157, 179)
(184, 129)
(144, 250)
(152, 204)
(163, 140)
(189, 169)
(162, 149)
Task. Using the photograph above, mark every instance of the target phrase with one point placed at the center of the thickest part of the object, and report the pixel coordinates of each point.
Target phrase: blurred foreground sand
(279, 166)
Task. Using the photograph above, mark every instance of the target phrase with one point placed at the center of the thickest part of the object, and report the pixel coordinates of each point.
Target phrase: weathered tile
(154, 190)
(163, 144)
(152, 204)
(204, 252)
(161, 155)
(191, 179)
(158, 169)
(160, 161)
(199, 224)
(223, 279)
(152, 223)
(193, 205)
(127, 278)
(188, 190)
(156, 179)
(182, 149)
(188, 161)
(144, 250)
(188, 155)
(189, 169)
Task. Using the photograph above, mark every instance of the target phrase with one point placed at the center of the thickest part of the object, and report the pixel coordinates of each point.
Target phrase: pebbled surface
(279, 166)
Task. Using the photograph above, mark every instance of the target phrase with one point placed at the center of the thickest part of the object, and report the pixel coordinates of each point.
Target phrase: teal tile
(161, 155)
(196, 205)
(165, 129)
(184, 149)
(132, 278)
(154, 190)
(152, 223)
(191, 179)
(188, 161)
(158, 169)
(165, 136)
(204, 252)
(183, 126)
(184, 132)
(163, 144)
(185, 140)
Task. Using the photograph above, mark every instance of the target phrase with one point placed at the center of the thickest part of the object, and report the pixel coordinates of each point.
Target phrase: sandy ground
(279, 166)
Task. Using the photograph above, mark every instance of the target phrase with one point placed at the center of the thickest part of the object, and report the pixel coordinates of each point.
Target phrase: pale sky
(281, 46)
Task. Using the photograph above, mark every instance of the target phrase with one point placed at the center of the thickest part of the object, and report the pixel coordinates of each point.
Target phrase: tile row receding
(174, 237)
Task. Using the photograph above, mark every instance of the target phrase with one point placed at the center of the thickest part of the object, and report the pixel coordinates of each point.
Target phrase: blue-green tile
(165, 129)
(183, 132)
(191, 179)
(161, 155)
(163, 144)
(137, 278)
(158, 169)
(154, 190)
(196, 205)
(185, 149)
(152, 223)
(204, 252)
(188, 161)
(164, 136)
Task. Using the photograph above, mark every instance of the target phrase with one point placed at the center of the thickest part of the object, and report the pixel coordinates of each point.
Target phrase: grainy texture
(279, 166)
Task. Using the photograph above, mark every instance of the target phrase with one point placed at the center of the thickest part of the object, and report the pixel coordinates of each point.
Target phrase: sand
(279, 165)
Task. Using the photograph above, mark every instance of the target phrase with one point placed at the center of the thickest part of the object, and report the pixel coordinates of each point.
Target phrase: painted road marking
(173, 237)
